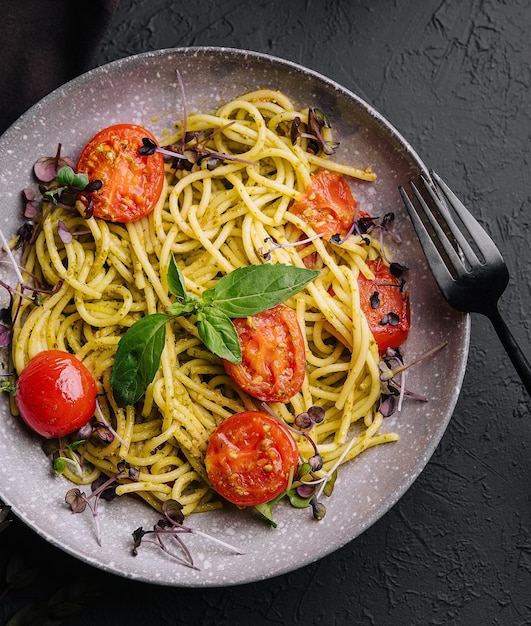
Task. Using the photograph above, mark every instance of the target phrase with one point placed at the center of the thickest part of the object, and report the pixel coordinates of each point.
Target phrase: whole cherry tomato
(250, 457)
(273, 363)
(385, 305)
(55, 394)
(327, 204)
(131, 182)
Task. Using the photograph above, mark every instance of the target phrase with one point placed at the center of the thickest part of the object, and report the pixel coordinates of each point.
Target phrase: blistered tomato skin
(250, 458)
(56, 394)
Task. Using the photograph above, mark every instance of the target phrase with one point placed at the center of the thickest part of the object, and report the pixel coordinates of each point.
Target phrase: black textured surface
(454, 77)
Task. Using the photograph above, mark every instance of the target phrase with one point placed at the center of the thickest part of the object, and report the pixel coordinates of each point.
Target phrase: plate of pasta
(231, 274)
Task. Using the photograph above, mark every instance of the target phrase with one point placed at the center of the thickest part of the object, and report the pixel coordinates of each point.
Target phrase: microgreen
(244, 292)
(171, 526)
(103, 487)
(301, 492)
(312, 131)
(69, 187)
(46, 168)
(392, 367)
(191, 151)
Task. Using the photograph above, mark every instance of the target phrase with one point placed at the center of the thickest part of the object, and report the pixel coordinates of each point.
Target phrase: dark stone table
(454, 77)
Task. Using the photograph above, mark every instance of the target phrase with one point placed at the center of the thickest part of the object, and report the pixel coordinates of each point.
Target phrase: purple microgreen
(393, 381)
(46, 168)
(104, 421)
(171, 526)
(32, 203)
(303, 421)
(103, 432)
(305, 490)
(24, 234)
(317, 120)
(149, 147)
(390, 318)
(375, 300)
(316, 462)
(85, 431)
(64, 233)
(316, 413)
(266, 254)
(78, 500)
(5, 335)
(396, 269)
(294, 131)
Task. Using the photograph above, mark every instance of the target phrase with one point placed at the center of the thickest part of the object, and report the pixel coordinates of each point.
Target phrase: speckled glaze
(143, 89)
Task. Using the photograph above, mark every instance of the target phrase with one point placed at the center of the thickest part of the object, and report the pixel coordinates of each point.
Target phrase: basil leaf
(219, 334)
(252, 289)
(176, 279)
(138, 358)
(184, 307)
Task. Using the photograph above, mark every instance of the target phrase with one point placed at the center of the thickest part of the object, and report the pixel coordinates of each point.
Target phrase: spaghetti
(219, 216)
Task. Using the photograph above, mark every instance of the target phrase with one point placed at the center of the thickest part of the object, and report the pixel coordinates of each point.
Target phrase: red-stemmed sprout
(304, 422)
(393, 390)
(171, 526)
(312, 131)
(266, 254)
(103, 487)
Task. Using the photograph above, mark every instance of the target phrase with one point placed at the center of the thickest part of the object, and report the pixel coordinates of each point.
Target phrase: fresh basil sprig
(243, 292)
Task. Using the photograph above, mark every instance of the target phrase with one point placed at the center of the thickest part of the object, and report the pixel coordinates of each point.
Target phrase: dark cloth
(45, 43)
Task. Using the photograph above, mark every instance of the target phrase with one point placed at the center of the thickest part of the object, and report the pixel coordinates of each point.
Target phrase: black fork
(465, 262)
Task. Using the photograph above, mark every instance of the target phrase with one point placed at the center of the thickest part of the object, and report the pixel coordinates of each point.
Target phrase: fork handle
(518, 358)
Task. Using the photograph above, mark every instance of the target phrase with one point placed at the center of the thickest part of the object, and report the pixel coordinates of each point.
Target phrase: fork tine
(481, 237)
(441, 273)
(462, 242)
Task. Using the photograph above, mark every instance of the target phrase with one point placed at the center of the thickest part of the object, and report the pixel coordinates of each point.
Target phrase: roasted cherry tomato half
(55, 394)
(273, 363)
(327, 204)
(131, 183)
(385, 305)
(250, 458)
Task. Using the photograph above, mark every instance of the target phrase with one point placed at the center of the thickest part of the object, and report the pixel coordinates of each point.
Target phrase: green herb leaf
(266, 509)
(250, 290)
(138, 358)
(297, 501)
(219, 334)
(176, 279)
(66, 176)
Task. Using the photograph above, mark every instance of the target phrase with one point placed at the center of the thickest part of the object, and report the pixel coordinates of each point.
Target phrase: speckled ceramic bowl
(143, 89)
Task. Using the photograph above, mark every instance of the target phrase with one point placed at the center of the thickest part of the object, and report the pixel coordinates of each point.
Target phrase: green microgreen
(301, 491)
(70, 186)
(244, 292)
(171, 526)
